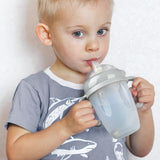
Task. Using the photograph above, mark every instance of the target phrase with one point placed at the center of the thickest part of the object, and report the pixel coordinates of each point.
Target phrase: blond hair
(47, 9)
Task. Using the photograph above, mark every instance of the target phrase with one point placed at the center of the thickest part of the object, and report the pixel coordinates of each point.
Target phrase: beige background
(135, 47)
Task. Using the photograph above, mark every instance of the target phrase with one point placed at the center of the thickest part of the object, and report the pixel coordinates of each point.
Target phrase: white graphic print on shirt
(56, 110)
(59, 106)
(65, 154)
(107, 158)
(118, 149)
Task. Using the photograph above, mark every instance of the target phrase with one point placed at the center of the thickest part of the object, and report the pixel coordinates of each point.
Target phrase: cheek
(70, 46)
(73, 50)
(67, 54)
(105, 47)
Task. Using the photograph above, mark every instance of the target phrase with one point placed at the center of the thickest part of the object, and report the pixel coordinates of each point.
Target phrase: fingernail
(134, 93)
(144, 108)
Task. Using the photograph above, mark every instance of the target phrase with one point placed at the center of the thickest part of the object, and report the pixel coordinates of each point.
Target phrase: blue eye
(78, 34)
(101, 32)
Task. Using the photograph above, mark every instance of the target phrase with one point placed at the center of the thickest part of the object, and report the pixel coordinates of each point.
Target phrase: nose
(92, 45)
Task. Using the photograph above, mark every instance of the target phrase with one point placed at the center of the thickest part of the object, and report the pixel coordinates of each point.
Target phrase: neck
(67, 74)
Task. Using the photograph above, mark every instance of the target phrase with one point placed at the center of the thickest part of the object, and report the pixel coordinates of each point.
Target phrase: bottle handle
(83, 98)
(86, 97)
(138, 105)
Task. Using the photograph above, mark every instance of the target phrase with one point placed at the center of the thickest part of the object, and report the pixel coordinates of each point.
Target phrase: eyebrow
(69, 27)
(107, 23)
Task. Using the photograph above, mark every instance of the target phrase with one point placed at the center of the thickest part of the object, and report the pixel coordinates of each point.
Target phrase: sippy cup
(107, 89)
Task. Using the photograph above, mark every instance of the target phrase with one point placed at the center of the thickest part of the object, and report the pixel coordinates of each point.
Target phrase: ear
(42, 31)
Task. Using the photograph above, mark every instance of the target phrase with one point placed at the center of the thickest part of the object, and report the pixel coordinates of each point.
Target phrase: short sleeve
(25, 111)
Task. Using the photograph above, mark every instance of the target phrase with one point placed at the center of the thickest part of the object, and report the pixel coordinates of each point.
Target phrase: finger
(84, 111)
(87, 121)
(145, 99)
(137, 81)
(145, 86)
(140, 83)
(84, 104)
(145, 92)
(88, 117)
(91, 123)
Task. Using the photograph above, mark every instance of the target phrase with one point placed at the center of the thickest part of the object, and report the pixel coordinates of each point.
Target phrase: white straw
(94, 65)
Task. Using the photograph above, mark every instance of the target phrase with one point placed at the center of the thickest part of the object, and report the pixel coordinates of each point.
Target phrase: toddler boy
(47, 121)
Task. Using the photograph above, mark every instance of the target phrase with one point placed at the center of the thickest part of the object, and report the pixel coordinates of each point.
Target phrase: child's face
(81, 33)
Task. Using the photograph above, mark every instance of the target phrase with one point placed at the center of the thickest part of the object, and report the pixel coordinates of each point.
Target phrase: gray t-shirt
(42, 99)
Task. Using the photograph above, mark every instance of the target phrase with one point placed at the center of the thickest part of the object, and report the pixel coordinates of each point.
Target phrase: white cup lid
(103, 75)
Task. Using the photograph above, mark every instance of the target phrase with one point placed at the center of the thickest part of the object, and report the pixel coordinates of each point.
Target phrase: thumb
(133, 92)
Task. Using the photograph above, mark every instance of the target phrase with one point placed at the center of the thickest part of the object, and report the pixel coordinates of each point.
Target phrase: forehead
(85, 2)
(81, 3)
(81, 12)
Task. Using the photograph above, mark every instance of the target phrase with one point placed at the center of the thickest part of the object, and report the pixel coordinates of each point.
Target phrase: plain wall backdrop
(134, 47)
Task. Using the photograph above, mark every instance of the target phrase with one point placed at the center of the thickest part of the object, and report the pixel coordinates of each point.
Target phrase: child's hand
(143, 92)
(80, 117)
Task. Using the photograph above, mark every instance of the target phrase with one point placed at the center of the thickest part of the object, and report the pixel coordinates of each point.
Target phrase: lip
(89, 62)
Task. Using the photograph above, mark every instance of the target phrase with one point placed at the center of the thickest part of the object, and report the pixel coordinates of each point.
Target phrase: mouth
(89, 62)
